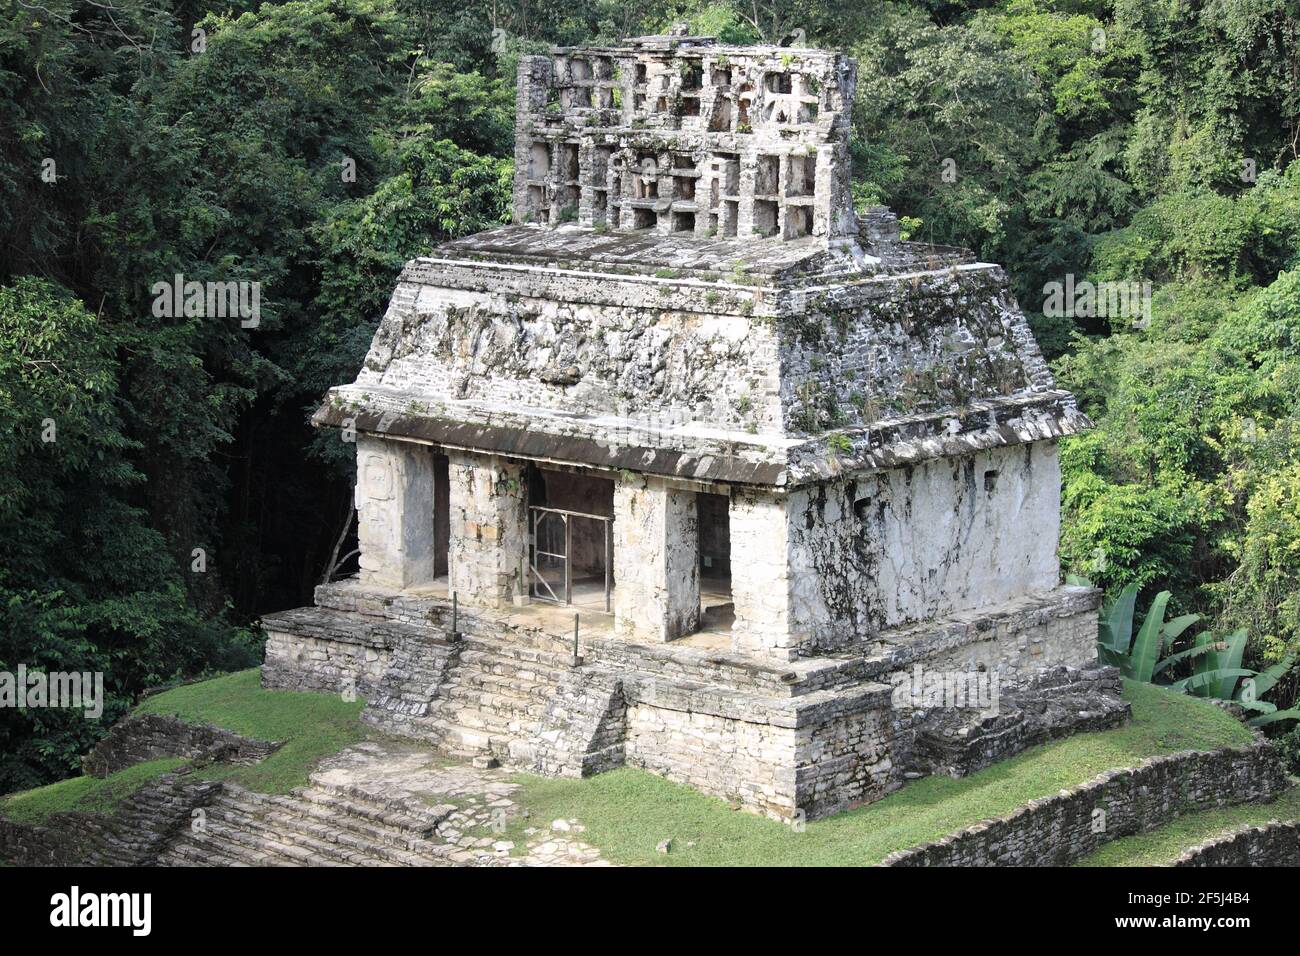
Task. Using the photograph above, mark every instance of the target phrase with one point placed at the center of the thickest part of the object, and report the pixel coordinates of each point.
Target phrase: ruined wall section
(855, 355)
(850, 558)
(635, 361)
(686, 138)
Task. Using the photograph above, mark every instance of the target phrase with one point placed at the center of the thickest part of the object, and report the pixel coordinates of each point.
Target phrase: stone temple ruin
(685, 466)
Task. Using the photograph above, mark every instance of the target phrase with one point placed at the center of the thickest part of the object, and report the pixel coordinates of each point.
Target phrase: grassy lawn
(1161, 847)
(628, 812)
(312, 726)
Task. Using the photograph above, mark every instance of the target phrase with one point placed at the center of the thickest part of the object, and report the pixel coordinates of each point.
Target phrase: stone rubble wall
(1057, 830)
(1055, 704)
(1273, 844)
(142, 737)
(135, 835)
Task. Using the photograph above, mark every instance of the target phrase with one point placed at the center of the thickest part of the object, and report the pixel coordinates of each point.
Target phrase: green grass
(628, 812)
(312, 726)
(89, 794)
(1162, 846)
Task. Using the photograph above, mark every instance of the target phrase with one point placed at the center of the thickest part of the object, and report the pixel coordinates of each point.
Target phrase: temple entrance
(571, 519)
(717, 610)
(441, 516)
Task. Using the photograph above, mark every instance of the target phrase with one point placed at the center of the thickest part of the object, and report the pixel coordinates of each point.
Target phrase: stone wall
(1055, 831)
(142, 737)
(489, 528)
(133, 836)
(845, 560)
(316, 649)
(394, 500)
(656, 560)
(1273, 844)
(960, 533)
(747, 760)
(1017, 638)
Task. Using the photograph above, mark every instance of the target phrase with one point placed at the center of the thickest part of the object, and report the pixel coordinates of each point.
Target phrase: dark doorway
(441, 515)
(571, 520)
(713, 514)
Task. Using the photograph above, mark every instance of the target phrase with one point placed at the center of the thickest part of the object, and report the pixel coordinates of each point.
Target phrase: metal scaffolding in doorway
(552, 553)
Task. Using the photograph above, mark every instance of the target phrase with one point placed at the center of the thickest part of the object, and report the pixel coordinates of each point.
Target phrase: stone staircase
(478, 697)
(495, 701)
(315, 826)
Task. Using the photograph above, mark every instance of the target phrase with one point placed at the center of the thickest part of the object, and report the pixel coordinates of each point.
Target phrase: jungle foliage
(312, 146)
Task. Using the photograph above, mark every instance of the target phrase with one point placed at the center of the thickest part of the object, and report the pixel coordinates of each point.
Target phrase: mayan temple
(694, 468)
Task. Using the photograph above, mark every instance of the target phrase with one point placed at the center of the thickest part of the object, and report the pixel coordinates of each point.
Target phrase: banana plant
(1136, 657)
(1217, 673)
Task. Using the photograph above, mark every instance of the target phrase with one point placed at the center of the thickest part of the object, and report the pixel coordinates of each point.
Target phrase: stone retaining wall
(1055, 831)
(142, 737)
(317, 650)
(1274, 844)
(133, 836)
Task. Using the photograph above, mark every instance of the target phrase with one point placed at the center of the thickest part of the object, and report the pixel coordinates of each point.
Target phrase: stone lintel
(781, 463)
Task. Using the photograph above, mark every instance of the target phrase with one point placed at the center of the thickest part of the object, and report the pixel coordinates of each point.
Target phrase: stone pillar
(488, 541)
(656, 560)
(394, 499)
(761, 577)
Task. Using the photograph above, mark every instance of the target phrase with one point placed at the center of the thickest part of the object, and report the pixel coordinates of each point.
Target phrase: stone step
(553, 654)
(501, 683)
(193, 855)
(505, 706)
(502, 664)
(394, 814)
(470, 716)
(288, 835)
(197, 850)
(311, 815)
(277, 847)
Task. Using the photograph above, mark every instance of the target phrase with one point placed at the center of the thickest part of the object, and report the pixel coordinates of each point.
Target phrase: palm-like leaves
(1217, 669)
(1136, 657)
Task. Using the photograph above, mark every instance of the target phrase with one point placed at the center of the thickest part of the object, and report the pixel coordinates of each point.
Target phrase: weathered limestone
(489, 529)
(761, 585)
(394, 513)
(142, 737)
(656, 563)
(689, 346)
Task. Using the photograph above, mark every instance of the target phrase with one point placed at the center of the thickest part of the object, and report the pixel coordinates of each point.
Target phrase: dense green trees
(313, 146)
